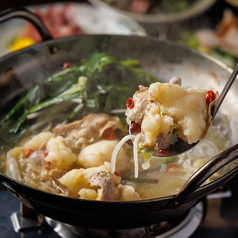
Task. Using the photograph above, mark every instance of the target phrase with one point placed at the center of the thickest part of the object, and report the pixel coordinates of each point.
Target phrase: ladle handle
(29, 16)
(208, 169)
(225, 91)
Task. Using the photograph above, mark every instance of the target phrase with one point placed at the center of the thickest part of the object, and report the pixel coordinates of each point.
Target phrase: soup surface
(61, 136)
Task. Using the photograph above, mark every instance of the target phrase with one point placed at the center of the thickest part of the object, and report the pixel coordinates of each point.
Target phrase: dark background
(210, 18)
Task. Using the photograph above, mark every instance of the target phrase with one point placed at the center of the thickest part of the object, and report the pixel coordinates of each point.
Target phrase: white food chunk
(38, 140)
(60, 156)
(88, 193)
(175, 108)
(13, 168)
(96, 154)
(155, 123)
(128, 193)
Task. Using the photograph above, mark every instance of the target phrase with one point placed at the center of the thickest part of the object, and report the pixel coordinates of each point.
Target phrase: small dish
(196, 8)
(86, 19)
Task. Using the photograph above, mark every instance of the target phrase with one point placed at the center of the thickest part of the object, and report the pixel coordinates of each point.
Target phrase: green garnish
(100, 83)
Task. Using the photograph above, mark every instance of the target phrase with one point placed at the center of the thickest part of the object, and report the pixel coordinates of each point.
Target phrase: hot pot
(22, 69)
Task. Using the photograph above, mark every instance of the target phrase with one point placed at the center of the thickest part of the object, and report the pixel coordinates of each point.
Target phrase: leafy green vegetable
(190, 39)
(111, 82)
(75, 91)
(99, 84)
(146, 152)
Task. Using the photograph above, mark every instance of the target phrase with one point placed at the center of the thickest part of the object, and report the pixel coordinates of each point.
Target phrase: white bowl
(197, 8)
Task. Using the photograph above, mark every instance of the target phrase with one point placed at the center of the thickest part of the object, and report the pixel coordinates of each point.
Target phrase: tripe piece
(171, 112)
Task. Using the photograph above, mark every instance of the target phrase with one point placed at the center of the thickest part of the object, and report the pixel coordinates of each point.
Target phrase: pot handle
(29, 16)
(205, 172)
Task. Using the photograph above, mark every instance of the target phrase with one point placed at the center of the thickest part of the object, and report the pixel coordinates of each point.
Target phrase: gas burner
(181, 227)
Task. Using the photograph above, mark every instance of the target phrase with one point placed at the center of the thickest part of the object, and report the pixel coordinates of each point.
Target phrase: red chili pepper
(130, 103)
(47, 162)
(67, 65)
(172, 165)
(134, 126)
(164, 152)
(210, 96)
(110, 134)
(46, 153)
(48, 167)
(116, 173)
(28, 153)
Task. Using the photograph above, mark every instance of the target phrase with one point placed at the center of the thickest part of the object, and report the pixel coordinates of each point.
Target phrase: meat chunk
(105, 180)
(163, 141)
(140, 98)
(97, 183)
(108, 190)
(176, 80)
(88, 130)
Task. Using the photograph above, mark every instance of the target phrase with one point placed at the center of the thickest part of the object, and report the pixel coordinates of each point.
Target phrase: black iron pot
(22, 69)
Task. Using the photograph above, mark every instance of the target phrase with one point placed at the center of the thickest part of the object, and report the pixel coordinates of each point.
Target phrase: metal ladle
(181, 146)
